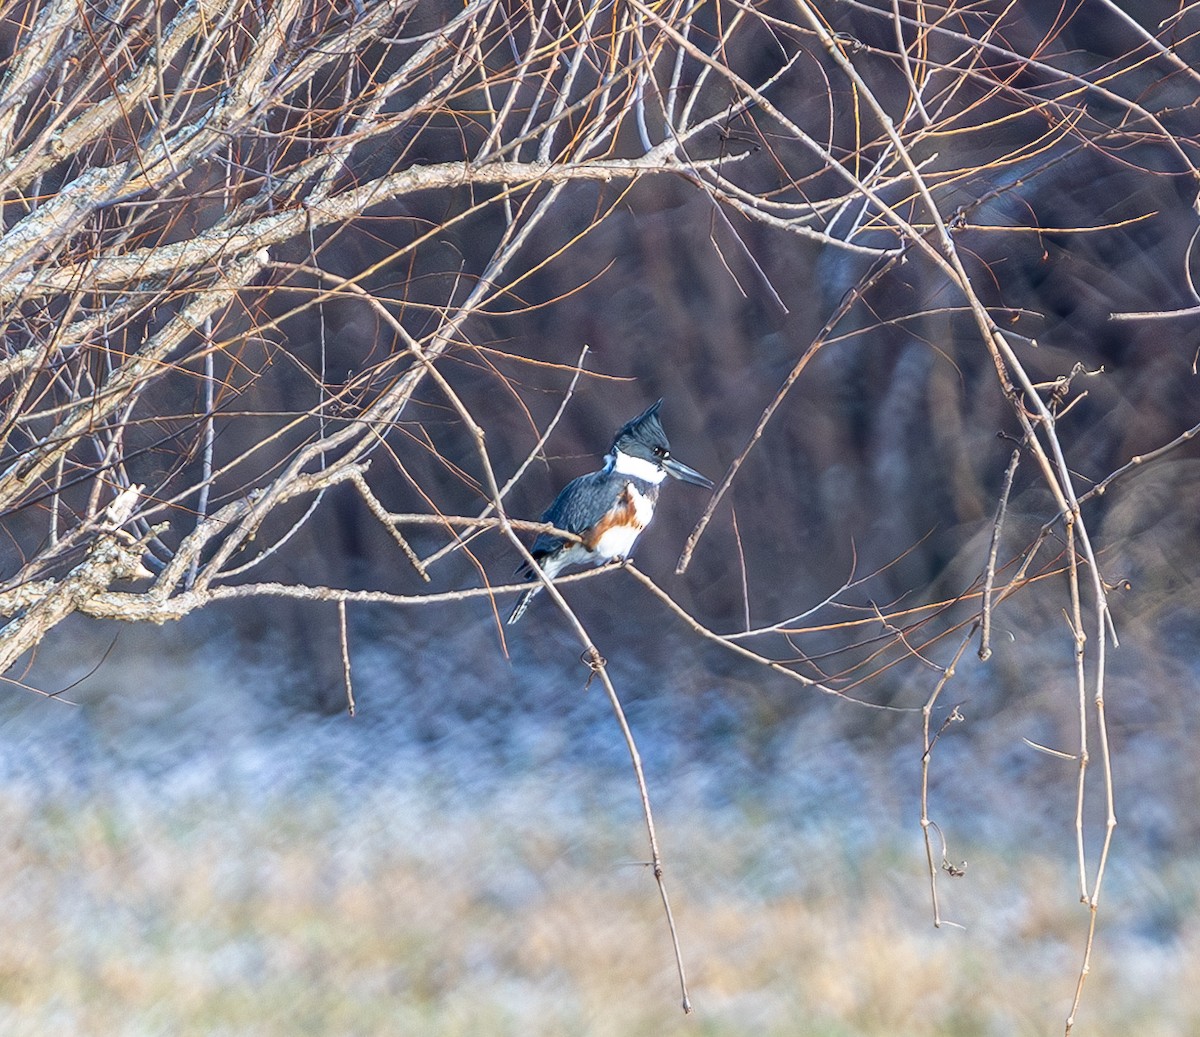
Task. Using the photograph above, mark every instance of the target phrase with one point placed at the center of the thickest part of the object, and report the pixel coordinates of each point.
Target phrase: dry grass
(179, 856)
(140, 913)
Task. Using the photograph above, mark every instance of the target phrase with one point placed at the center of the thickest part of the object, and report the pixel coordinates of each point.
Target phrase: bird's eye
(661, 453)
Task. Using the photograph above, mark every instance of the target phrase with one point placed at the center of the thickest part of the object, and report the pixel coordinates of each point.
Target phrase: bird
(607, 510)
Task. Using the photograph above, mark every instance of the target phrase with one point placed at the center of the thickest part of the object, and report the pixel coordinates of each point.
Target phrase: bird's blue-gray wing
(573, 510)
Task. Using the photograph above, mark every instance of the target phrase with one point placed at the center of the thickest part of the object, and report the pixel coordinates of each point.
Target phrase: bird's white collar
(635, 467)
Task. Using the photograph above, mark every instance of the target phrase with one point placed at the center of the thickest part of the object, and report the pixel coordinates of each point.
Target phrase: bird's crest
(646, 428)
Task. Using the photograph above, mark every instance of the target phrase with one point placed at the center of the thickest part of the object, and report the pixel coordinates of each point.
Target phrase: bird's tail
(523, 603)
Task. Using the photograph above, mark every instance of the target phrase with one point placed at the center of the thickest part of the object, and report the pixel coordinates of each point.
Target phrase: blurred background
(200, 840)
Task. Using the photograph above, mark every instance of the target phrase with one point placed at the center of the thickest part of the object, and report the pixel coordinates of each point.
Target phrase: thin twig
(737, 536)
(345, 656)
(985, 624)
(536, 452)
(848, 300)
(926, 754)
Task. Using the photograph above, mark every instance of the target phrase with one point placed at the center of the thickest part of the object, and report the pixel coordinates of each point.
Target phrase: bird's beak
(678, 470)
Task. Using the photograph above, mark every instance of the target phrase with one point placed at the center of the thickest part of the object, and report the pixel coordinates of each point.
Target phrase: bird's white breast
(617, 541)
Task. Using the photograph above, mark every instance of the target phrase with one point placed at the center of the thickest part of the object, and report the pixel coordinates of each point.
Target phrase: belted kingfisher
(609, 508)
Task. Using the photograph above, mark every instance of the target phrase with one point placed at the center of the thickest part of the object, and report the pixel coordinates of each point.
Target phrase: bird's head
(641, 449)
